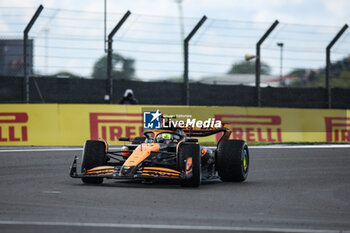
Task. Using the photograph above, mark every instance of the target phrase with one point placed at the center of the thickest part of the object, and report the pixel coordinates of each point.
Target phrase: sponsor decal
(337, 129)
(253, 128)
(152, 120)
(156, 120)
(111, 126)
(13, 127)
(192, 123)
(66, 125)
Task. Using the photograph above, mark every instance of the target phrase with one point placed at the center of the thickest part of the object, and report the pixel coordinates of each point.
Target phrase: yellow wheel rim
(245, 165)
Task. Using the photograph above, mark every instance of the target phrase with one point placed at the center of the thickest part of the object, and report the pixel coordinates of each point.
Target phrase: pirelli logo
(253, 128)
(111, 126)
(337, 129)
(13, 127)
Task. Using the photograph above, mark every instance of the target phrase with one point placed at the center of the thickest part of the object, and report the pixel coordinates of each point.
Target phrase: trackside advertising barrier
(73, 124)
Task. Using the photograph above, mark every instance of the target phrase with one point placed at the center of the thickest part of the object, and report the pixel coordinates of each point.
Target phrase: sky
(232, 29)
(322, 12)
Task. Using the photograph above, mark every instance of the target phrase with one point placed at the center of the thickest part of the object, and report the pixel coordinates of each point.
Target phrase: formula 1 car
(165, 154)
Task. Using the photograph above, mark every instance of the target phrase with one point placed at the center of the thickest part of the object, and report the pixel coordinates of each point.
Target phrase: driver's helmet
(165, 138)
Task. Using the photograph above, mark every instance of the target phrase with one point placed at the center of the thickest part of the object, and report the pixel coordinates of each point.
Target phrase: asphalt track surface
(288, 190)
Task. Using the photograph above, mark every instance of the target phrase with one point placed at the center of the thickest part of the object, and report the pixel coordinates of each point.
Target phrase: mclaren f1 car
(165, 154)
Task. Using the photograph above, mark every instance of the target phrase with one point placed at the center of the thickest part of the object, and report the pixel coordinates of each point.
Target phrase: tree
(299, 72)
(339, 75)
(248, 67)
(342, 80)
(122, 68)
(65, 74)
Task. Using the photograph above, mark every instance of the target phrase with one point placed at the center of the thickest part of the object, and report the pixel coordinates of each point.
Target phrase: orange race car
(166, 154)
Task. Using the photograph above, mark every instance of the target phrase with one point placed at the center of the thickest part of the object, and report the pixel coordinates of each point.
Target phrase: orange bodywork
(140, 153)
(189, 165)
(226, 135)
(160, 171)
(101, 170)
(204, 151)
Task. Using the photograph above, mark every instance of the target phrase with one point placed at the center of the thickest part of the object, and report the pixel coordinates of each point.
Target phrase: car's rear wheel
(232, 160)
(94, 155)
(189, 163)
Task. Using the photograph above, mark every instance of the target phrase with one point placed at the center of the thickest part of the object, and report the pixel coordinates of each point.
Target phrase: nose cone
(140, 153)
(126, 171)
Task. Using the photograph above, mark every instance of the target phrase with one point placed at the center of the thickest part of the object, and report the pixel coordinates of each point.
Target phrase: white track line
(286, 146)
(290, 146)
(277, 146)
(169, 227)
(41, 149)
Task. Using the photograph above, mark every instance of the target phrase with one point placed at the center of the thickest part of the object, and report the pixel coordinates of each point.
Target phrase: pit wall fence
(93, 91)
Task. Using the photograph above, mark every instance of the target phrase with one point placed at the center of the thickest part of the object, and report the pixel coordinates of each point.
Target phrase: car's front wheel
(94, 155)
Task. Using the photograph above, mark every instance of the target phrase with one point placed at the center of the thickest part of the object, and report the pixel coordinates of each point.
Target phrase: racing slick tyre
(232, 160)
(94, 155)
(189, 163)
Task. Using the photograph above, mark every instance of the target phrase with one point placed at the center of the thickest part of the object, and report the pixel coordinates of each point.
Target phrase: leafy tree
(339, 75)
(65, 74)
(342, 81)
(298, 72)
(122, 68)
(248, 67)
(175, 79)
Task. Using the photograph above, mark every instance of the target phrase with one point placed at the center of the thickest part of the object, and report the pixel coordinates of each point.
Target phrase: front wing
(113, 172)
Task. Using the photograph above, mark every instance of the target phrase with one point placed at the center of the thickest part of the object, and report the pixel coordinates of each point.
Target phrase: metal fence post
(25, 40)
(328, 64)
(110, 56)
(186, 41)
(257, 63)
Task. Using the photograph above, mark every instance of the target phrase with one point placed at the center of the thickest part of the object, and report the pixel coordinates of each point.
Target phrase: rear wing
(203, 132)
(199, 131)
